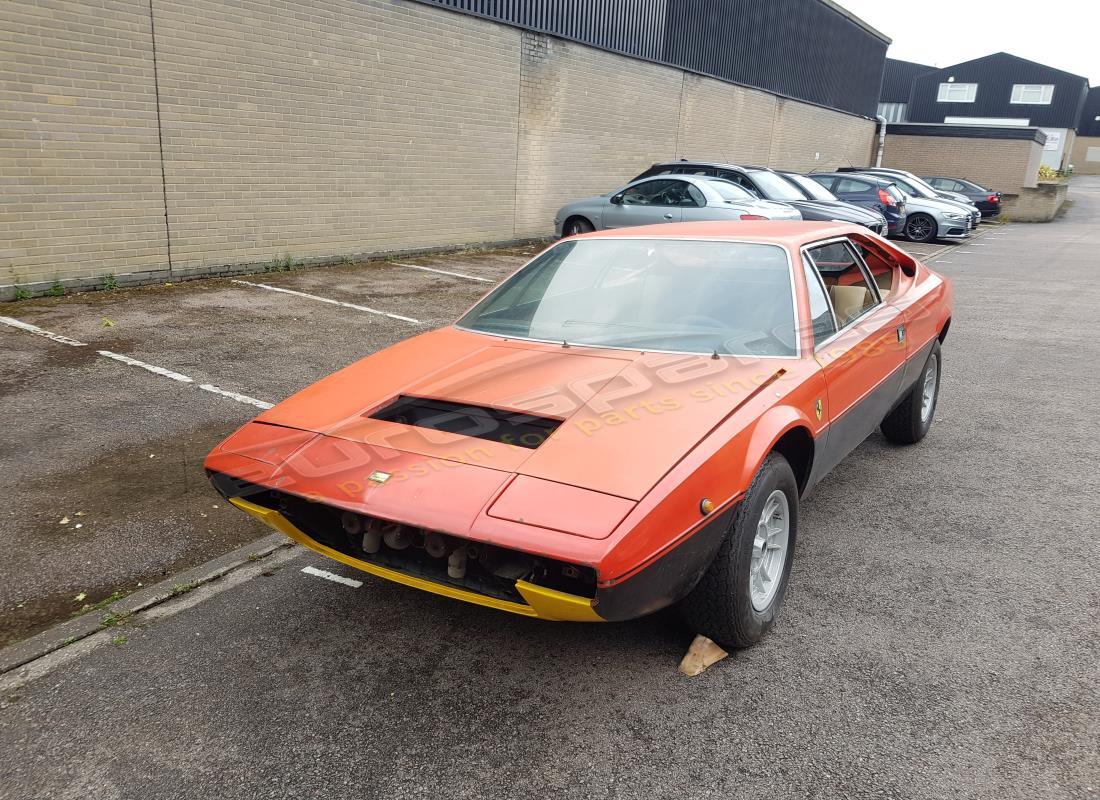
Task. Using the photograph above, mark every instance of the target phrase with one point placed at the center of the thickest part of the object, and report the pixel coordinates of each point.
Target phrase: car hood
(624, 418)
(914, 203)
(827, 210)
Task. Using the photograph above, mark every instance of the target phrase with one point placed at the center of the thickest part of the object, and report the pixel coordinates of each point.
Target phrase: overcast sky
(1064, 34)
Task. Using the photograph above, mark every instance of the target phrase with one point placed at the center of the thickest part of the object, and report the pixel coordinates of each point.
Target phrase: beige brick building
(1086, 155)
(206, 136)
(1005, 165)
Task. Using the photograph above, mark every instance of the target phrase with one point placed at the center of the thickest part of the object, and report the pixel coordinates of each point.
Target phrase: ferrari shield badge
(817, 409)
(378, 477)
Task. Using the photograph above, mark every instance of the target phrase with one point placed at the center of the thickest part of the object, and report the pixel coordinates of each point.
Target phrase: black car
(875, 193)
(769, 185)
(987, 200)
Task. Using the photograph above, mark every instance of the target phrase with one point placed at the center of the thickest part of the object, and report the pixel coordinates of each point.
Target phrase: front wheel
(738, 598)
(577, 225)
(911, 419)
(920, 228)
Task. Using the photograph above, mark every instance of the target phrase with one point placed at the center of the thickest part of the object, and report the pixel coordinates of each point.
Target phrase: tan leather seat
(884, 281)
(849, 301)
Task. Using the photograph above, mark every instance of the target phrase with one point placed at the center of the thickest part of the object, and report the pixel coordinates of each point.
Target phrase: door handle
(668, 215)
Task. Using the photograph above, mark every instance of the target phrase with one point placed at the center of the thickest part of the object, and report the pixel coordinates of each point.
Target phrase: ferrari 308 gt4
(626, 423)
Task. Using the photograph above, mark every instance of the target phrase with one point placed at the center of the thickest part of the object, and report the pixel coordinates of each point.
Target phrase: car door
(862, 193)
(863, 357)
(647, 203)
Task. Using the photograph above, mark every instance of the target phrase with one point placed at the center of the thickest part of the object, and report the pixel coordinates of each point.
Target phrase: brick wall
(589, 121)
(80, 182)
(1080, 156)
(321, 128)
(1004, 165)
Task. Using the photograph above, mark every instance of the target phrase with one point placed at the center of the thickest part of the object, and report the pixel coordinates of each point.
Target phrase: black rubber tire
(720, 606)
(576, 225)
(921, 238)
(904, 425)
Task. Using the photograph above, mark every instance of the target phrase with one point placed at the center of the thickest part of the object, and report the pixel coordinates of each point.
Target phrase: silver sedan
(667, 198)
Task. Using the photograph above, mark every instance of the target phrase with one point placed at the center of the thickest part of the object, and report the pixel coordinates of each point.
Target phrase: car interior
(844, 279)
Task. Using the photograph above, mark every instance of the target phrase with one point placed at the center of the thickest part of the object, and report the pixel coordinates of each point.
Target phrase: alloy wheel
(769, 550)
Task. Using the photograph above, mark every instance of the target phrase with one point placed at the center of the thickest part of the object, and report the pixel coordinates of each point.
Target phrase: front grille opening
(508, 427)
(432, 555)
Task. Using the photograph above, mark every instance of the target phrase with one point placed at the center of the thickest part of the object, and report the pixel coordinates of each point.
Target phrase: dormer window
(1034, 94)
(957, 92)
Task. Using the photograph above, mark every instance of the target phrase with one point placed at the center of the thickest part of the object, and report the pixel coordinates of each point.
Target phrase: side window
(842, 272)
(821, 315)
(650, 193)
(850, 186)
(697, 198)
(740, 180)
(955, 186)
(827, 182)
(678, 194)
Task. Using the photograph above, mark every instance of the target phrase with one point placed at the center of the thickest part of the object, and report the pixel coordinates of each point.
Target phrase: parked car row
(887, 201)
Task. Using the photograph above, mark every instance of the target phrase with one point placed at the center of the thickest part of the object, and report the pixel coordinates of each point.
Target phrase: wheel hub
(769, 550)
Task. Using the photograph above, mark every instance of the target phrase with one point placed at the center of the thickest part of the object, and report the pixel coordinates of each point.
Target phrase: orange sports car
(625, 423)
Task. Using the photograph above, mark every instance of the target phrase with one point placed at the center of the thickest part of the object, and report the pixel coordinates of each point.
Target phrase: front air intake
(481, 422)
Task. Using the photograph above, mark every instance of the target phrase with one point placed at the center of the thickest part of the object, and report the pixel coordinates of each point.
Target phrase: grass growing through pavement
(114, 597)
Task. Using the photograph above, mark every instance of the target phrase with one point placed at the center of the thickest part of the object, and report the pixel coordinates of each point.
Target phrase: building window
(957, 92)
(1032, 94)
(893, 112)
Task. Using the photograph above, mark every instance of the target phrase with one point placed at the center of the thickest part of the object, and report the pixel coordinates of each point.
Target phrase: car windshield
(811, 187)
(917, 187)
(685, 296)
(911, 189)
(774, 187)
(730, 191)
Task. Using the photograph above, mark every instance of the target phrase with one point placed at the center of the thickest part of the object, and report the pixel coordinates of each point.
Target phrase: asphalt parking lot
(940, 639)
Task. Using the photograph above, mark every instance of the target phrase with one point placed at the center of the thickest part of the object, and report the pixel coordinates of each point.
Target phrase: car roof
(870, 177)
(684, 162)
(793, 232)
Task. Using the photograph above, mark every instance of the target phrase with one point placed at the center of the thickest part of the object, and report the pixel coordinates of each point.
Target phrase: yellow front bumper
(541, 602)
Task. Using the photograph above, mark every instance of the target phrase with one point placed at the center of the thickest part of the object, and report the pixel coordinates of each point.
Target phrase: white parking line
(442, 272)
(240, 398)
(331, 302)
(133, 362)
(26, 326)
(329, 576)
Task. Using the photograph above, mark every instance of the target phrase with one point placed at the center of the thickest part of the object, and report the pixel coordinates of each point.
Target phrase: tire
(722, 605)
(911, 419)
(576, 225)
(920, 228)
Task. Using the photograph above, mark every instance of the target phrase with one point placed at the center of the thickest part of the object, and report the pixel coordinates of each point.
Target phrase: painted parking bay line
(328, 300)
(240, 398)
(442, 272)
(26, 326)
(133, 362)
(332, 576)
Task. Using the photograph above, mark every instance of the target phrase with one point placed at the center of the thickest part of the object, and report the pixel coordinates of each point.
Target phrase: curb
(65, 633)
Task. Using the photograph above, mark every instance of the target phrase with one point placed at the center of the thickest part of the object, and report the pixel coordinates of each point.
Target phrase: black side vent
(509, 427)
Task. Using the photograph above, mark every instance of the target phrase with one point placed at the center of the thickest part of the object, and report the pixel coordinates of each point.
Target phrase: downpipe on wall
(881, 139)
